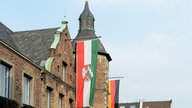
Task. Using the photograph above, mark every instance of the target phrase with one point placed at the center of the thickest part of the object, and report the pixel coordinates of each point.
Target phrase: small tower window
(57, 68)
(64, 71)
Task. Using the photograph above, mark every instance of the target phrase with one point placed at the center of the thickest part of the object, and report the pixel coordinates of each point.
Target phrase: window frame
(61, 100)
(70, 103)
(49, 90)
(26, 94)
(132, 106)
(6, 72)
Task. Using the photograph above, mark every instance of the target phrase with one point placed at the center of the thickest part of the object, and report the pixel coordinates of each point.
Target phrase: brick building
(37, 67)
(147, 104)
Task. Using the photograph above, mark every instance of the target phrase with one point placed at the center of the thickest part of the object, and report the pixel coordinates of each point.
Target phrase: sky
(150, 41)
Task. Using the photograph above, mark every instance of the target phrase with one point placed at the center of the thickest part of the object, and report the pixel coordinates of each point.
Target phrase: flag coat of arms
(86, 65)
(113, 99)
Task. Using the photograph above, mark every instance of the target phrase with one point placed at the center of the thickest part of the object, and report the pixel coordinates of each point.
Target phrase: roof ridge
(36, 30)
(5, 27)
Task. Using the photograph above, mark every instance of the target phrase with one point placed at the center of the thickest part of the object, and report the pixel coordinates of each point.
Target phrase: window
(26, 89)
(64, 71)
(4, 80)
(70, 103)
(132, 106)
(122, 106)
(49, 97)
(60, 100)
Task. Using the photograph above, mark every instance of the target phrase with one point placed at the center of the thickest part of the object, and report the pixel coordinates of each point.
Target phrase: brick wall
(63, 54)
(101, 93)
(57, 87)
(19, 67)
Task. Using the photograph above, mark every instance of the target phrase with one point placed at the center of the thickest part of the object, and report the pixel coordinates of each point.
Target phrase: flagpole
(116, 77)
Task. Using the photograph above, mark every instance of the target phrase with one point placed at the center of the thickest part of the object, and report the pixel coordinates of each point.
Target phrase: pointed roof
(5, 35)
(25, 42)
(36, 41)
(86, 12)
(86, 34)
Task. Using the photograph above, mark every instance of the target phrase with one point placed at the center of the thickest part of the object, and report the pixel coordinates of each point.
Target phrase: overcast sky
(150, 41)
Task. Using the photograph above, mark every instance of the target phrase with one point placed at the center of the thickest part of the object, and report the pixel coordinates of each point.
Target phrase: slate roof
(90, 34)
(86, 35)
(5, 35)
(34, 44)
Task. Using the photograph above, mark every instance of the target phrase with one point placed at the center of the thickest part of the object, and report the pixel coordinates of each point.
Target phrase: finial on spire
(86, 5)
(65, 20)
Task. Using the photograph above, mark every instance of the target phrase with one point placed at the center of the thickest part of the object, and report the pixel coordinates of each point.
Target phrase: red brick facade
(41, 79)
(54, 79)
(21, 66)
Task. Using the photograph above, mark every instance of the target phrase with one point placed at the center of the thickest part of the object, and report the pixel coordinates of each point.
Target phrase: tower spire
(86, 19)
(86, 6)
(87, 31)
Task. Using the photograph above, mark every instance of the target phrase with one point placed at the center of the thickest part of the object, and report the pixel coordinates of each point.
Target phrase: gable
(5, 33)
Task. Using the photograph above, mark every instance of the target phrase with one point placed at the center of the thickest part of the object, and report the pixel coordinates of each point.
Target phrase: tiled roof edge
(20, 54)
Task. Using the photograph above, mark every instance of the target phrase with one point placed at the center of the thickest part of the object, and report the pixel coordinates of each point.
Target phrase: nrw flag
(86, 62)
(113, 99)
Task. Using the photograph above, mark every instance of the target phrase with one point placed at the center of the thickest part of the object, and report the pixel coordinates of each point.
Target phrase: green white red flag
(86, 65)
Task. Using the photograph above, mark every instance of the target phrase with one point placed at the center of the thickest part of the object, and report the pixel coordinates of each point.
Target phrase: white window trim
(5, 71)
(49, 90)
(26, 94)
(60, 100)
